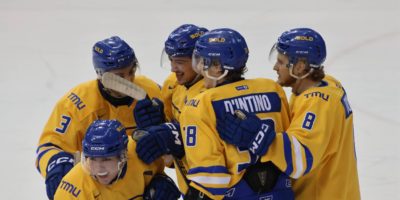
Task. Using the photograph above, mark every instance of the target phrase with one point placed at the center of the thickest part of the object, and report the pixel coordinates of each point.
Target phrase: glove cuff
(262, 140)
(63, 158)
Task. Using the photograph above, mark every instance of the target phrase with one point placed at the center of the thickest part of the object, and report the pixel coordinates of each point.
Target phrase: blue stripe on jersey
(46, 145)
(323, 84)
(40, 156)
(211, 170)
(287, 145)
(252, 103)
(309, 159)
(217, 191)
(346, 105)
(214, 191)
(43, 152)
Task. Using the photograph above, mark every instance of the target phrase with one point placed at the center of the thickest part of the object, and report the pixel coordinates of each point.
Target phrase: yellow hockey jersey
(215, 166)
(174, 98)
(319, 144)
(74, 113)
(79, 185)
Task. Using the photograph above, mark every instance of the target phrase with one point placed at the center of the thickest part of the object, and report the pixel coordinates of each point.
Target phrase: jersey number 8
(191, 134)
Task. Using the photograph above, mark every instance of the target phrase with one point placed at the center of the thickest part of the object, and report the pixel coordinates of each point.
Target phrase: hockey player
(217, 169)
(318, 147)
(77, 109)
(110, 169)
(183, 84)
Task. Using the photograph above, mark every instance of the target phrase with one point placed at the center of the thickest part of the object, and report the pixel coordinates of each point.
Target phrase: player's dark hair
(236, 75)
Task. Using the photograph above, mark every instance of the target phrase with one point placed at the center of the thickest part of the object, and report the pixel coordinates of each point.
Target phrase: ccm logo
(96, 148)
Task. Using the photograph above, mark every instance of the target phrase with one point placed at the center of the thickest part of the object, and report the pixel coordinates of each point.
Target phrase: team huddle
(227, 137)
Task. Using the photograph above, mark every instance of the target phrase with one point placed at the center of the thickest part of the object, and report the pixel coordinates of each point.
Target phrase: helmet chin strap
(299, 79)
(121, 164)
(215, 79)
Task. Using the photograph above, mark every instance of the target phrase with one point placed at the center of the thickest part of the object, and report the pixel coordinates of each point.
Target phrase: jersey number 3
(65, 121)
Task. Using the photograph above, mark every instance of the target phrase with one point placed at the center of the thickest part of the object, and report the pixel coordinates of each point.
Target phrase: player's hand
(149, 113)
(161, 187)
(246, 131)
(59, 165)
(160, 140)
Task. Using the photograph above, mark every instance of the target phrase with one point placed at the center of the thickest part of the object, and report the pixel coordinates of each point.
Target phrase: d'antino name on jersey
(252, 103)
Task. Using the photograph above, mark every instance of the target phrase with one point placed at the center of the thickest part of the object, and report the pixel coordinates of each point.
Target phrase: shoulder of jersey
(134, 160)
(199, 86)
(171, 82)
(196, 88)
(246, 84)
(262, 82)
(78, 180)
(132, 148)
(329, 88)
(266, 80)
(83, 98)
(146, 83)
(76, 174)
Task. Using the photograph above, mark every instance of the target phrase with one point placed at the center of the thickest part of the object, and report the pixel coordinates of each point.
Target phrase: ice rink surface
(46, 50)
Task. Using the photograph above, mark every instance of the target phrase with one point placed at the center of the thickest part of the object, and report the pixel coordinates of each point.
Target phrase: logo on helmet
(196, 35)
(219, 40)
(214, 54)
(302, 52)
(98, 49)
(119, 129)
(97, 148)
(304, 38)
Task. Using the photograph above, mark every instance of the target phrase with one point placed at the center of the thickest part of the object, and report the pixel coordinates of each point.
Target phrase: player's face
(127, 73)
(104, 169)
(182, 67)
(281, 67)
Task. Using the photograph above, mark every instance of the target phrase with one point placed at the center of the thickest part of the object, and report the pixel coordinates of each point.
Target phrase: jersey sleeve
(309, 139)
(62, 132)
(204, 151)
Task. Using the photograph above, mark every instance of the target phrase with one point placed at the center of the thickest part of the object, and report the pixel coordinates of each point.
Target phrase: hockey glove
(59, 165)
(161, 187)
(149, 113)
(246, 131)
(160, 140)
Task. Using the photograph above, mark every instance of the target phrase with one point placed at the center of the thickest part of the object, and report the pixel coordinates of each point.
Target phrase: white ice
(45, 49)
